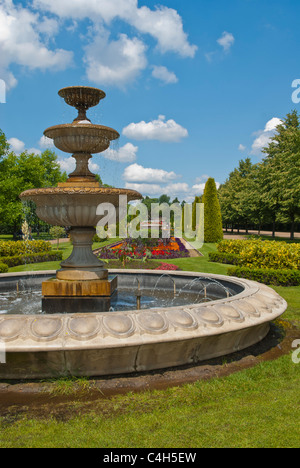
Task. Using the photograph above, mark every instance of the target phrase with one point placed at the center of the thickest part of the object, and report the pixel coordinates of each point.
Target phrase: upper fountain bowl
(82, 96)
(81, 137)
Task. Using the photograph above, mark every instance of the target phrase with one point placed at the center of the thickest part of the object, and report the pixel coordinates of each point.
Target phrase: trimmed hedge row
(3, 268)
(11, 248)
(267, 275)
(16, 260)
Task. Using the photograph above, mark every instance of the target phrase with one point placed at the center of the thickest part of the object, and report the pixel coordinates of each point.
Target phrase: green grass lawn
(258, 407)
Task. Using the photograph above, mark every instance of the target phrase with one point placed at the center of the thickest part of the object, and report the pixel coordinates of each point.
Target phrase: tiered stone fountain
(82, 336)
(82, 284)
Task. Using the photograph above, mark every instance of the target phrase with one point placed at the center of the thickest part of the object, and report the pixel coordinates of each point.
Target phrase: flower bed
(167, 267)
(143, 249)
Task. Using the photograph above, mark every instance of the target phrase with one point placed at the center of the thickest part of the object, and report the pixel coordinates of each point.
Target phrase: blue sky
(192, 86)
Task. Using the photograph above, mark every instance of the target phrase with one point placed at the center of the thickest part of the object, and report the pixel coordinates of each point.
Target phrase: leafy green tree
(213, 231)
(282, 174)
(22, 172)
(57, 232)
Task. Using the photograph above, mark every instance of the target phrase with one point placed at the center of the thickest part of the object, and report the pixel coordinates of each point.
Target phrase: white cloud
(164, 24)
(115, 63)
(226, 41)
(272, 124)
(263, 137)
(242, 147)
(160, 129)
(173, 190)
(125, 154)
(16, 145)
(198, 189)
(145, 189)
(137, 173)
(163, 74)
(23, 41)
(46, 142)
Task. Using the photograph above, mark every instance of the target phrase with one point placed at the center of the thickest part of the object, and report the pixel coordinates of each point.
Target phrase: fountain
(82, 284)
(83, 328)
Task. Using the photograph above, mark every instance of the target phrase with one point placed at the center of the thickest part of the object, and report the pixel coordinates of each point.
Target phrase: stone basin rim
(140, 334)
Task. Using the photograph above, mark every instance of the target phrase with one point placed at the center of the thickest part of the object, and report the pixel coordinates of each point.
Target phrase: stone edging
(256, 305)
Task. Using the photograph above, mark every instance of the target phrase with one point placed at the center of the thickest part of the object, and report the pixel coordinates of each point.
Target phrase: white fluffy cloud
(139, 174)
(23, 41)
(125, 154)
(160, 129)
(46, 142)
(163, 74)
(263, 137)
(226, 41)
(18, 146)
(114, 62)
(162, 23)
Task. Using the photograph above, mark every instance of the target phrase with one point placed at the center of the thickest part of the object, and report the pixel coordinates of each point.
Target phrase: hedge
(16, 260)
(11, 248)
(227, 258)
(3, 268)
(276, 277)
(259, 253)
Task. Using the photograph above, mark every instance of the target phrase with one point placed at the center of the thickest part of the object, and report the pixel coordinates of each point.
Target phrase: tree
(57, 232)
(213, 231)
(22, 172)
(194, 212)
(282, 172)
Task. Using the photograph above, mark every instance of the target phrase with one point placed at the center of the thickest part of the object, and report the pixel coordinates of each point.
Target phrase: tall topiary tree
(213, 231)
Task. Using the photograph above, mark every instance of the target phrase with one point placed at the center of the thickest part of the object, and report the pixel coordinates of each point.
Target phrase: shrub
(231, 246)
(227, 258)
(213, 231)
(276, 277)
(57, 232)
(16, 260)
(258, 253)
(11, 248)
(3, 268)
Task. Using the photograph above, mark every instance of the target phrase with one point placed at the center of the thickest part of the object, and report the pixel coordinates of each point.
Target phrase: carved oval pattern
(230, 313)
(120, 326)
(210, 316)
(247, 308)
(261, 304)
(182, 319)
(152, 322)
(46, 328)
(10, 329)
(83, 328)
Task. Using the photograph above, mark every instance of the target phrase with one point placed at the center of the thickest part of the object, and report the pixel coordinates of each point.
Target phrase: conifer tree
(213, 231)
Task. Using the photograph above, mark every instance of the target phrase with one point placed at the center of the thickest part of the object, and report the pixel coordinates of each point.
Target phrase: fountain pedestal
(60, 296)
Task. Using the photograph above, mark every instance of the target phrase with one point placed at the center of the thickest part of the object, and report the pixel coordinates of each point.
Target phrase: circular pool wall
(122, 342)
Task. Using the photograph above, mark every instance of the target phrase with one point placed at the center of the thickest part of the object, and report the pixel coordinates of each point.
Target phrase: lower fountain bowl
(121, 342)
(75, 206)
